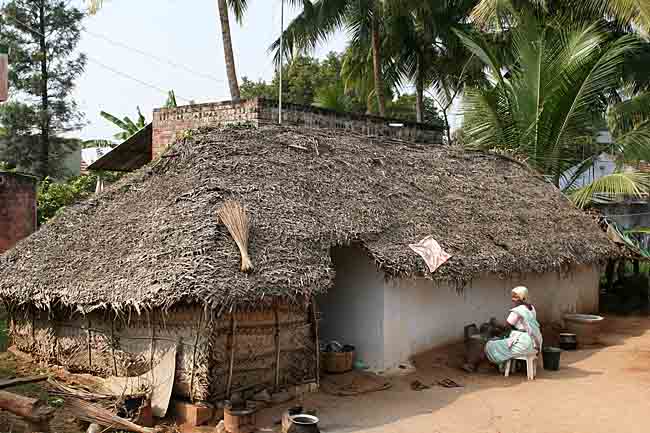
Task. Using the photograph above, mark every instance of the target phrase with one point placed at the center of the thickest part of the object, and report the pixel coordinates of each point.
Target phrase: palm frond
(611, 187)
(238, 8)
(94, 6)
(636, 12)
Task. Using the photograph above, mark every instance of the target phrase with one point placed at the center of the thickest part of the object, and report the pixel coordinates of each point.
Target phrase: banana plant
(128, 126)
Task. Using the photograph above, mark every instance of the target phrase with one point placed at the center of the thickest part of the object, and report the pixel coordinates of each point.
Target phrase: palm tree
(634, 14)
(363, 19)
(128, 126)
(238, 8)
(543, 106)
(423, 43)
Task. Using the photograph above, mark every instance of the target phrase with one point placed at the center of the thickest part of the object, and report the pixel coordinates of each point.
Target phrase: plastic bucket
(551, 357)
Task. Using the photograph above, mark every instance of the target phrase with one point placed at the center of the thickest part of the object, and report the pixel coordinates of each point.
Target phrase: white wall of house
(388, 320)
(421, 314)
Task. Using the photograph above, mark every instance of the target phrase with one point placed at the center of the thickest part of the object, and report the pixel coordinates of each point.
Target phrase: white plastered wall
(389, 320)
(420, 314)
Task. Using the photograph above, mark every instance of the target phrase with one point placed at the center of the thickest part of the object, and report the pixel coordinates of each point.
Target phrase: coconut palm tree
(632, 14)
(543, 106)
(422, 41)
(319, 19)
(238, 7)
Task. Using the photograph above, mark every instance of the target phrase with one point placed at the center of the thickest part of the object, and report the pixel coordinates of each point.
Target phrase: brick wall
(169, 122)
(17, 208)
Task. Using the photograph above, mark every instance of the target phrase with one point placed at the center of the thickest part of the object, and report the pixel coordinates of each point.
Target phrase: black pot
(303, 424)
(568, 341)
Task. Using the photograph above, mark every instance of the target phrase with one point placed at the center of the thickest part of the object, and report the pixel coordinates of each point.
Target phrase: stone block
(191, 414)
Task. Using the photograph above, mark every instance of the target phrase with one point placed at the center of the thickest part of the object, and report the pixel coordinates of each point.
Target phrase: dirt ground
(604, 388)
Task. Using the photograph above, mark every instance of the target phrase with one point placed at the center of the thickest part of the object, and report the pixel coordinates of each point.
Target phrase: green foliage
(97, 143)
(171, 100)
(544, 108)
(54, 196)
(42, 36)
(251, 89)
(306, 79)
(404, 108)
(128, 126)
(611, 187)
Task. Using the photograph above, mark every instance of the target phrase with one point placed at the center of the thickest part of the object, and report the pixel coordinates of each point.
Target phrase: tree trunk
(447, 128)
(35, 412)
(376, 64)
(229, 57)
(45, 102)
(419, 96)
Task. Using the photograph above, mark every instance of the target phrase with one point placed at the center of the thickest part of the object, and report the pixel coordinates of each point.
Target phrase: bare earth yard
(604, 389)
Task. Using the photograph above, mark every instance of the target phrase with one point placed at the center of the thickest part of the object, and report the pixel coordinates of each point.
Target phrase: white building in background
(90, 155)
(603, 165)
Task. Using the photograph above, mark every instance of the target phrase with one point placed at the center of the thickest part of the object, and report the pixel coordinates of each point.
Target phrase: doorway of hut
(352, 311)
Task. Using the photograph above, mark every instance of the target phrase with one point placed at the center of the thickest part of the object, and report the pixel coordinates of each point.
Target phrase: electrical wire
(156, 57)
(99, 63)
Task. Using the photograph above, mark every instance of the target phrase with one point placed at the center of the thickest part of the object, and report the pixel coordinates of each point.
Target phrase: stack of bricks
(168, 123)
(17, 208)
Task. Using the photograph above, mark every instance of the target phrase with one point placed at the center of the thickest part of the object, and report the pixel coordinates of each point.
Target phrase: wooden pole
(33, 317)
(233, 329)
(8, 383)
(196, 345)
(90, 337)
(36, 412)
(113, 344)
(314, 317)
(277, 348)
(152, 325)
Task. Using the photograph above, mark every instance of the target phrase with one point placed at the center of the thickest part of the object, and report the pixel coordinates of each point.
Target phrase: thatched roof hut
(152, 241)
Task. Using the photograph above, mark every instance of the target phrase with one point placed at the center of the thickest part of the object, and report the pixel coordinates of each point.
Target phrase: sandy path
(604, 389)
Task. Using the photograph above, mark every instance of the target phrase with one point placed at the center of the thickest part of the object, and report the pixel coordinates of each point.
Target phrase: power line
(137, 80)
(157, 58)
(109, 68)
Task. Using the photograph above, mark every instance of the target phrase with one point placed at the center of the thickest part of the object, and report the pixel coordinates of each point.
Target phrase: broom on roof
(234, 217)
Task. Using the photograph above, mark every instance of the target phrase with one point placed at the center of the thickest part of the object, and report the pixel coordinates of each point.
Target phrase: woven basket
(338, 362)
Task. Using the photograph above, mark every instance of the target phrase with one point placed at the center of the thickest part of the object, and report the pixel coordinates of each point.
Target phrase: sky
(119, 77)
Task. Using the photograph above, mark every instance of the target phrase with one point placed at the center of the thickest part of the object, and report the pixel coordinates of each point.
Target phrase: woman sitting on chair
(525, 335)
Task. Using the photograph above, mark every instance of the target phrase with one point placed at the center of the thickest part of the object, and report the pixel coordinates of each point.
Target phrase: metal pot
(568, 341)
(303, 424)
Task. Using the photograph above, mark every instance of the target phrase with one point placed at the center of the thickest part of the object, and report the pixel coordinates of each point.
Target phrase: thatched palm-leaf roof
(153, 239)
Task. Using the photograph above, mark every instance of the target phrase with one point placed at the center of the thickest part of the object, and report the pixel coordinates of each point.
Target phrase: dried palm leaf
(98, 415)
(234, 217)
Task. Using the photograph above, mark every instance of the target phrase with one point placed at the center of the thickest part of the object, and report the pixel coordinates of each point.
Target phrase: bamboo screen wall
(215, 355)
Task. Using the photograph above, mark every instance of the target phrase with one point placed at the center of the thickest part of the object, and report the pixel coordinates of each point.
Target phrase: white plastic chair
(531, 365)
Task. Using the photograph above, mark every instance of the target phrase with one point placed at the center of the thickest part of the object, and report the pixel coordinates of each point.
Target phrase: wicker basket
(338, 362)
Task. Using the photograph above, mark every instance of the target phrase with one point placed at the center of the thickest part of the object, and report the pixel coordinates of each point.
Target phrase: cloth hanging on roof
(431, 251)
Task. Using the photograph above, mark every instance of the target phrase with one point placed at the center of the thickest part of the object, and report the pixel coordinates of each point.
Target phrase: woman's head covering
(521, 292)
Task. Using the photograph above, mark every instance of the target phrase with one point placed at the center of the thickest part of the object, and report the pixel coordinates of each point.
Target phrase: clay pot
(303, 424)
